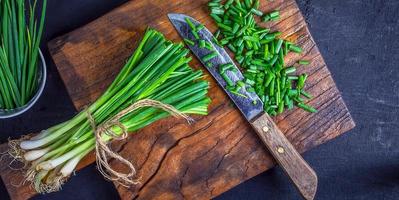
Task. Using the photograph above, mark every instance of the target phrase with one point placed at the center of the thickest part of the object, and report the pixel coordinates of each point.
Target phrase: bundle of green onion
(157, 70)
(20, 36)
(261, 54)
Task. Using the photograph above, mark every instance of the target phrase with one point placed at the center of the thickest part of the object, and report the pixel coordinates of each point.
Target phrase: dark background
(359, 40)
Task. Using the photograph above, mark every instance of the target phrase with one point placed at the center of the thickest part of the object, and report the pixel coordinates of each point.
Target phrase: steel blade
(251, 106)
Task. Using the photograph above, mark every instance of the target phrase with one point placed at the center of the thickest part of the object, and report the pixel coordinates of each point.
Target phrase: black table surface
(359, 40)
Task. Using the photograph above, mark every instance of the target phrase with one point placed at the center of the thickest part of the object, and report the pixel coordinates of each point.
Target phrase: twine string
(104, 153)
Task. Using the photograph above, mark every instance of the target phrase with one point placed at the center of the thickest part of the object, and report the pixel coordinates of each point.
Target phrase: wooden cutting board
(176, 160)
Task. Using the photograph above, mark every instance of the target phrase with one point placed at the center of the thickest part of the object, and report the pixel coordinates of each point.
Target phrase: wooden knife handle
(301, 174)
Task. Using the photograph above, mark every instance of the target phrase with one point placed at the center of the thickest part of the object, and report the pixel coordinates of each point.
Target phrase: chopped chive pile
(260, 53)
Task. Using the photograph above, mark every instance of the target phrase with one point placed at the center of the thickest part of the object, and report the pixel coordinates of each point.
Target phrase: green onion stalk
(157, 70)
(20, 35)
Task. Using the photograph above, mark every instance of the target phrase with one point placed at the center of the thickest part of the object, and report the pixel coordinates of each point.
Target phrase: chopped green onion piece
(217, 33)
(280, 107)
(217, 11)
(240, 84)
(289, 70)
(277, 33)
(202, 44)
(190, 23)
(290, 104)
(228, 3)
(307, 95)
(266, 18)
(299, 99)
(232, 48)
(250, 89)
(216, 18)
(196, 36)
(301, 81)
(249, 82)
(213, 4)
(274, 59)
(292, 93)
(251, 38)
(274, 13)
(236, 26)
(208, 57)
(295, 49)
(208, 46)
(200, 27)
(307, 107)
(278, 45)
(256, 12)
(225, 67)
(303, 62)
(189, 42)
(224, 27)
(269, 79)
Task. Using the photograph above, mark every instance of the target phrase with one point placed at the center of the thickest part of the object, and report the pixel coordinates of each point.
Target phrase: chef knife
(301, 174)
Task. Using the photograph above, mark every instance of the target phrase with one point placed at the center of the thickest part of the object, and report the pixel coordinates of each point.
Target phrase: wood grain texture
(221, 150)
(298, 170)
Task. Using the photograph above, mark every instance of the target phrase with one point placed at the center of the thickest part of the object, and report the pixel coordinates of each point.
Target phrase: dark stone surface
(359, 40)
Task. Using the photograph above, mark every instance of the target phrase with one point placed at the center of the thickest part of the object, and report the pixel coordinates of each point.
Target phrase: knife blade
(301, 174)
(246, 105)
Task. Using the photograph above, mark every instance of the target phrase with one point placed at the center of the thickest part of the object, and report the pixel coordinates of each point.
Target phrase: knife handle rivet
(265, 129)
(280, 150)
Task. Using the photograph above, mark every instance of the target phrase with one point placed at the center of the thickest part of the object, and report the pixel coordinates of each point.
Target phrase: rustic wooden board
(219, 151)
